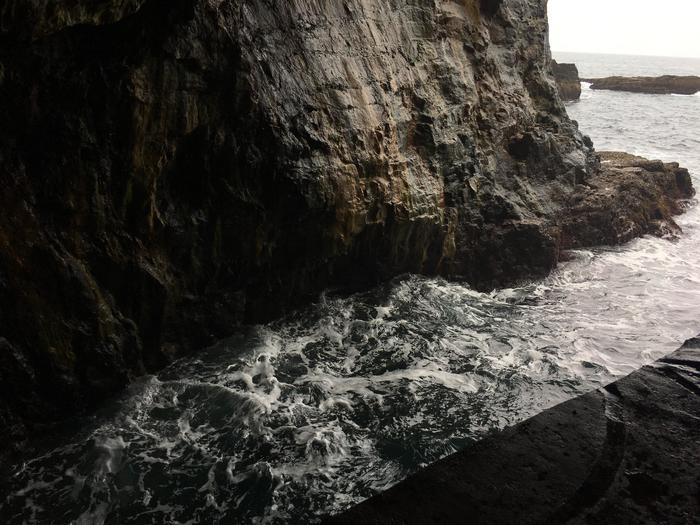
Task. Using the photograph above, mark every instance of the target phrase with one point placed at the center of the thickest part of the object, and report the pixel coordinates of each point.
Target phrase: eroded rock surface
(627, 197)
(624, 454)
(173, 169)
(568, 82)
(664, 85)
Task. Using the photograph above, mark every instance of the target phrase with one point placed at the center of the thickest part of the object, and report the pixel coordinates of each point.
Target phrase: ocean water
(305, 416)
(597, 66)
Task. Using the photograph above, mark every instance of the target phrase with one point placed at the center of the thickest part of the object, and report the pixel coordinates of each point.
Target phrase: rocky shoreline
(173, 170)
(626, 453)
(664, 85)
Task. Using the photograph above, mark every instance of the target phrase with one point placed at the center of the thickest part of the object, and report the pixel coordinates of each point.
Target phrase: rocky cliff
(567, 79)
(171, 169)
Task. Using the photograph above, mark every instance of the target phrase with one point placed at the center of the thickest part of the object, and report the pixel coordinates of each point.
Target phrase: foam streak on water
(310, 414)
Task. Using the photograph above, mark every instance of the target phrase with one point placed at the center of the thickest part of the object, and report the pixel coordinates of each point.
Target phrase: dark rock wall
(568, 81)
(171, 169)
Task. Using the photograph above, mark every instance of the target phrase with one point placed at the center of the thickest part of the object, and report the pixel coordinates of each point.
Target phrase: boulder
(627, 197)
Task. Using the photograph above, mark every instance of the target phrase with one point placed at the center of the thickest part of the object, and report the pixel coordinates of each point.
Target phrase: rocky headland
(664, 85)
(567, 79)
(172, 170)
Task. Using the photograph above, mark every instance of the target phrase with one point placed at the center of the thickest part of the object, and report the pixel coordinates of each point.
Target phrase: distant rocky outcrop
(664, 85)
(568, 82)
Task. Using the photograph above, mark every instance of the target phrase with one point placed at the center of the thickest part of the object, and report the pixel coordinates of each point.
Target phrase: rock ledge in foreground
(623, 454)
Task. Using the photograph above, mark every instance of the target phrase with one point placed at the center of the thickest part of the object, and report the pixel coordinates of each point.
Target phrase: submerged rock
(664, 85)
(568, 82)
(171, 170)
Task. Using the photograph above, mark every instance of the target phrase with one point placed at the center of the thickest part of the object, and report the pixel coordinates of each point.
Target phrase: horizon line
(625, 54)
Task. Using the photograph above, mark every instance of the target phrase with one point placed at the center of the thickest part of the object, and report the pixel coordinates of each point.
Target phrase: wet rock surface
(629, 196)
(568, 82)
(624, 454)
(664, 85)
(171, 170)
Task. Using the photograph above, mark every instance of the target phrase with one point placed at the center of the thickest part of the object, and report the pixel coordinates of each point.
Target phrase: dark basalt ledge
(568, 81)
(627, 453)
(664, 85)
(173, 169)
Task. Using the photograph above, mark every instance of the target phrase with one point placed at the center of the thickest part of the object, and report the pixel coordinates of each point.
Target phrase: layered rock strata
(664, 85)
(173, 169)
(568, 81)
(623, 454)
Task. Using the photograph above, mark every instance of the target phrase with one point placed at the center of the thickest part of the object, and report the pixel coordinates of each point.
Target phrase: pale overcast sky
(629, 27)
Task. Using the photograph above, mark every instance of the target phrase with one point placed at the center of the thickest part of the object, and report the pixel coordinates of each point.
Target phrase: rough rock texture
(624, 454)
(667, 84)
(629, 196)
(568, 82)
(171, 169)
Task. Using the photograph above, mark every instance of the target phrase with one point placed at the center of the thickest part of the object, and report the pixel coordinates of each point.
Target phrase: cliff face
(567, 79)
(171, 169)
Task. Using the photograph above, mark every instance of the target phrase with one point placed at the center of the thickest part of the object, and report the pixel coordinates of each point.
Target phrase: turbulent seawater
(306, 416)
